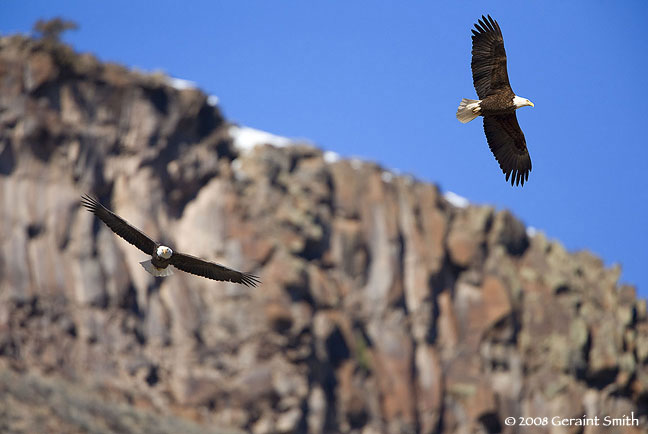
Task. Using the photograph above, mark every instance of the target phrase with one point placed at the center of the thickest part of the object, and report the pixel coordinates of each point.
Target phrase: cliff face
(383, 307)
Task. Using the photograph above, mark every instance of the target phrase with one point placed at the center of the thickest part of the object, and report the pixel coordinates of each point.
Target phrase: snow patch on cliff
(182, 84)
(456, 200)
(246, 138)
(531, 231)
(331, 157)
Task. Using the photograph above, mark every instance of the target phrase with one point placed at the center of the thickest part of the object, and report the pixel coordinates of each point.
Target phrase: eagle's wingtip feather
(250, 280)
(89, 202)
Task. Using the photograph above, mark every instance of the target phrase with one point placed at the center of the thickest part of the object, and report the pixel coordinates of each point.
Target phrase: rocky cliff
(383, 307)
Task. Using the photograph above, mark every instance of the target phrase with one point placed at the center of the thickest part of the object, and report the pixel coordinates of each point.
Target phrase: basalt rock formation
(383, 307)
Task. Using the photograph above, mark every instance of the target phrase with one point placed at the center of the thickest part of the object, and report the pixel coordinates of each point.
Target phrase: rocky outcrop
(383, 307)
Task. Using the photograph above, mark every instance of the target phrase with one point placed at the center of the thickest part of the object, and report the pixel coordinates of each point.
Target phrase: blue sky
(382, 80)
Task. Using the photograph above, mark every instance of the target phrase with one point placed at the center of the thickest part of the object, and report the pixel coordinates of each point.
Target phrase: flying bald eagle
(497, 102)
(162, 257)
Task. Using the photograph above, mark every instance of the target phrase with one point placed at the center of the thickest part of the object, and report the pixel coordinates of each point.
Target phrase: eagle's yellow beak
(531, 104)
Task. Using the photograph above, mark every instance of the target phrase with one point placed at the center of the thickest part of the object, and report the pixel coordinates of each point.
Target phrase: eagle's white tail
(468, 110)
(157, 272)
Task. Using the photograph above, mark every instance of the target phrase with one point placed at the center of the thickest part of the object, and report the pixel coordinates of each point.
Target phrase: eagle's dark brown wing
(506, 141)
(119, 225)
(488, 59)
(211, 270)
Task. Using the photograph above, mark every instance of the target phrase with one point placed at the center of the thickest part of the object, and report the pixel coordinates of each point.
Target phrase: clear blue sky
(382, 80)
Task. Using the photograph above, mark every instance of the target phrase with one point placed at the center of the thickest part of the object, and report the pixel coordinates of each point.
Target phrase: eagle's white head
(521, 102)
(164, 252)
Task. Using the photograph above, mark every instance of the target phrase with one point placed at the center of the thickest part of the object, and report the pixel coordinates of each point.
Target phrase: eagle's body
(163, 259)
(497, 103)
(160, 263)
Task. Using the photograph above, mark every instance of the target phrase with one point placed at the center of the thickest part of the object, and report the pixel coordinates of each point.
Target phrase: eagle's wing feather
(508, 145)
(488, 58)
(119, 226)
(211, 270)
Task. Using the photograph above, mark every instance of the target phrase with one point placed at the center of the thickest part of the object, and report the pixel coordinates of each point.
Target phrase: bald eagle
(497, 102)
(162, 257)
